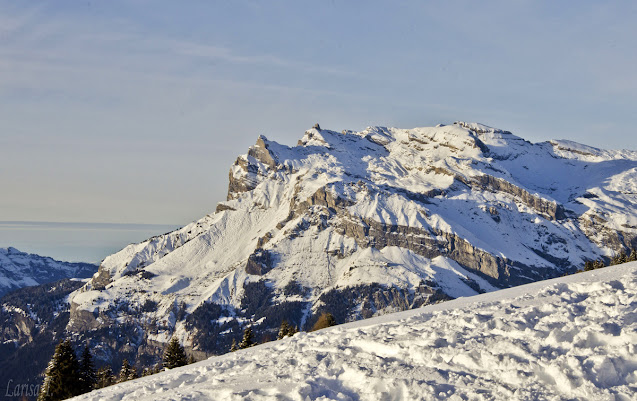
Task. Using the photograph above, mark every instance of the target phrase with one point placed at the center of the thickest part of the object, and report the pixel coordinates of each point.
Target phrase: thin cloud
(83, 62)
(225, 54)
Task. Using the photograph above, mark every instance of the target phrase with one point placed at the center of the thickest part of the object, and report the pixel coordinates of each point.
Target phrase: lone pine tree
(248, 338)
(286, 330)
(105, 377)
(127, 372)
(88, 376)
(62, 377)
(174, 356)
(283, 330)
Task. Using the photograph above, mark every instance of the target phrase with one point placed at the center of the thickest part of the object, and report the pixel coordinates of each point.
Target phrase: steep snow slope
(361, 224)
(20, 269)
(573, 337)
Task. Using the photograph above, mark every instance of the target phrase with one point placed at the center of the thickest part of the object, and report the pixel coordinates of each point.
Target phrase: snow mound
(573, 337)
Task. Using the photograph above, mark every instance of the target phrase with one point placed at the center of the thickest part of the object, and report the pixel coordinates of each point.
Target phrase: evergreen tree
(174, 356)
(127, 372)
(283, 330)
(88, 377)
(633, 256)
(234, 347)
(62, 377)
(619, 259)
(248, 338)
(105, 377)
(286, 330)
(292, 330)
(325, 320)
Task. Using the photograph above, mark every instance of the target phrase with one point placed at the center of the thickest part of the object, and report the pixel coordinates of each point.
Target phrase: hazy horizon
(75, 242)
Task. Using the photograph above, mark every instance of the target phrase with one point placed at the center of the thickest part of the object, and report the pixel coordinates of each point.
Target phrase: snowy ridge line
(20, 269)
(560, 339)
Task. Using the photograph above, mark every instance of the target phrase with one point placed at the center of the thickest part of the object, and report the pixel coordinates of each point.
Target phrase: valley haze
(75, 241)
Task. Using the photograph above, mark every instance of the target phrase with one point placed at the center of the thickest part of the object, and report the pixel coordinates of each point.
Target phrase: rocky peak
(365, 222)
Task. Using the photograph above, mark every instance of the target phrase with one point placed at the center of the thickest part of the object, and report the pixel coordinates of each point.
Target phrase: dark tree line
(68, 376)
(618, 259)
(285, 330)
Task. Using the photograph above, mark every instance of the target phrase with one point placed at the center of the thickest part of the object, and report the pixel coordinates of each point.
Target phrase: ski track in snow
(571, 338)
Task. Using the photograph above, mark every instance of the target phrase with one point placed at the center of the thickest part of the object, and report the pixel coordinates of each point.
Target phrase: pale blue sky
(133, 111)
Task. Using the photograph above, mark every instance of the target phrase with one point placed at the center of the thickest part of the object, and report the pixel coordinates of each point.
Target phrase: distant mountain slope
(20, 269)
(361, 224)
(568, 338)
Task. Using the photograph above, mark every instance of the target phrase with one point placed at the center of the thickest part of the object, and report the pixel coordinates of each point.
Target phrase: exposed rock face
(361, 224)
(548, 209)
(261, 153)
(431, 243)
(244, 184)
(365, 301)
(259, 263)
(101, 280)
(251, 171)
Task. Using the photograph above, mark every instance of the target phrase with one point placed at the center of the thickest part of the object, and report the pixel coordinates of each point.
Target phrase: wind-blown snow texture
(20, 269)
(569, 338)
(366, 223)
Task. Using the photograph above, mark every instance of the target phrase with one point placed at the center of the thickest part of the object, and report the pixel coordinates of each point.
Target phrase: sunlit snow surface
(569, 338)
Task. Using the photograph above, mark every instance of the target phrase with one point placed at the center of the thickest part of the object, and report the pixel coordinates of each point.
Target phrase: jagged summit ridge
(369, 222)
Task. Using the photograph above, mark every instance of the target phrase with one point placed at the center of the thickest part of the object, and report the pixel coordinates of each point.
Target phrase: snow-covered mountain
(20, 269)
(568, 338)
(362, 224)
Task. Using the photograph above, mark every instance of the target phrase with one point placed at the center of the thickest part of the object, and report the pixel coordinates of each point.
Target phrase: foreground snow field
(569, 338)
